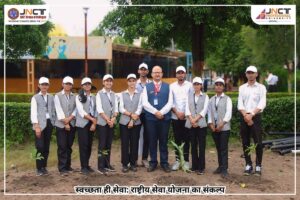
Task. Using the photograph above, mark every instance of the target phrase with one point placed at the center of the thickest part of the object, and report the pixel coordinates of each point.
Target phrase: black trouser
(42, 145)
(105, 136)
(65, 141)
(272, 88)
(181, 134)
(129, 144)
(253, 131)
(221, 140)
(145, 151)
(85, 141)
(198, 141)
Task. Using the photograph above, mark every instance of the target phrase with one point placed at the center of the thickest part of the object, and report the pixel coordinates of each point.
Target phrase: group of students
(153, 105)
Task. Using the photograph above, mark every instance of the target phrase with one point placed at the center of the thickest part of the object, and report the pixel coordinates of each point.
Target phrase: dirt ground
(278, 177)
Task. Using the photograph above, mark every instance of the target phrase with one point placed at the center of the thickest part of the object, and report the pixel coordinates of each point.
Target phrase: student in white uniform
(65, 107)
(219, 116)
(196, 109)
(130, 124)
(85, 123)
(251, 103)
(180, 89)
(107, 112)
(42, 118)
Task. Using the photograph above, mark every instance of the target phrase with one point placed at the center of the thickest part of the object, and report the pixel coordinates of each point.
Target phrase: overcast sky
(69, 14)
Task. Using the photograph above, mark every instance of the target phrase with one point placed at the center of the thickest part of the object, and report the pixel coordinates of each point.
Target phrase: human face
(180, 75)
(157, 73)
(251, 76)
(131, 82)
(219, 88)
(67, 86)
(197, 87)
(143, 72)
(44, 87)
(87, 87)
(108, 83)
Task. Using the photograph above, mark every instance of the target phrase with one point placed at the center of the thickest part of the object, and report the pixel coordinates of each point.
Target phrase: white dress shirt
(228, 113)
(148, 107)
(140, 105)
(140, 86)
(33, 109)
(180, 95)
(203, 111)
(59, 111)
(252, 97)
(99, 103)
(272, 79)
(80, 109)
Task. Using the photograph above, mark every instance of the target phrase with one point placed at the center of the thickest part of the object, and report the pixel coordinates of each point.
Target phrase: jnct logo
(275, 13)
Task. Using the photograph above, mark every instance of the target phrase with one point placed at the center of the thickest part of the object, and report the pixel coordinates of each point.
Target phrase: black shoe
(248, 170)
(200, 172)
(224, 174)
(64, 172)
(151, 169)
(84, 171)
(39, 172)
(110, 169)
(45, 171)
(166, 169)
(125, 169)
(70, 170)
(257, 171)
(133, 168)
(90, 169)
(102, 171)
(217, 171)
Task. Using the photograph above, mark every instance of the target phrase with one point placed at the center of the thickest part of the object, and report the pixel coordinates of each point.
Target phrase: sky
(69, 14)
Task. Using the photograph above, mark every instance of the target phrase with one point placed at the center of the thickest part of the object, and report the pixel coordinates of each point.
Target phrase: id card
(155, 102)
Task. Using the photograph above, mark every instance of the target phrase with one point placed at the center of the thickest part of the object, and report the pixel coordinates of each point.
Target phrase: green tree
(25, 39)
(191, 28)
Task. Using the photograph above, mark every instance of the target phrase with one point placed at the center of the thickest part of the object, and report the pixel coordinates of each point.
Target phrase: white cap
(180, 68)
(131, 76)
(68, 79)
(107, 76)
(43, 80)
(86, 80)
(220, 80)
(251, 69)
(143, 65)
(197, 80)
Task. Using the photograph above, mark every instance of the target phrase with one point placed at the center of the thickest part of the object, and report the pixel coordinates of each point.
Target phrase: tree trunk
(198, 48)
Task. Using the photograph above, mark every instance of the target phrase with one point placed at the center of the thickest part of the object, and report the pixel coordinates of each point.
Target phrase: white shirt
(252, 97)
(203, 111)
(99, 103)
(59, 111)
(228, 113)
(140, 105)
(272, 79)
(180, 95)
(148, 107)
(140, 86)
(80, 109)
(33, 109)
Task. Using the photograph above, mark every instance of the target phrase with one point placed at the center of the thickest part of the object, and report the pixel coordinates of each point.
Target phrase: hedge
(25, 98)
(278, 116)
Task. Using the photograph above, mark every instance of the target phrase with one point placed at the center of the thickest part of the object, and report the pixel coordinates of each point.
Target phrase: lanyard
(111, 105)
(45, 101)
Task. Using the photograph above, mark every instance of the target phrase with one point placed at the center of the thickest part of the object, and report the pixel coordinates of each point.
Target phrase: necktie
(156, 88)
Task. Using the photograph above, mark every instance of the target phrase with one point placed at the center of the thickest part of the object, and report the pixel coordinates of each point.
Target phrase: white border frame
(155, 5)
